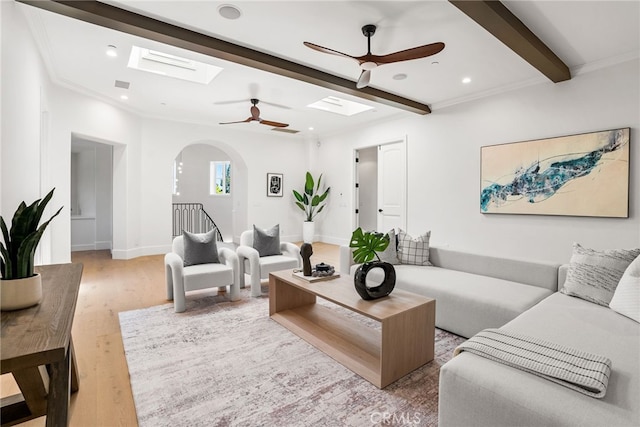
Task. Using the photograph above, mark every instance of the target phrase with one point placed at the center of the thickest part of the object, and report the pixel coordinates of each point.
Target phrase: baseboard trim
(138, 252)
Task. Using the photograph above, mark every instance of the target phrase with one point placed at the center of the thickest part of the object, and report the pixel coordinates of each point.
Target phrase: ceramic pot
(20, 293)
(383, 289)
(308, 230)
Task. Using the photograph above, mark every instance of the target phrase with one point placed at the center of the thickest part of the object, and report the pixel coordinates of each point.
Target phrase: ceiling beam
(139, 25)
(494, 17)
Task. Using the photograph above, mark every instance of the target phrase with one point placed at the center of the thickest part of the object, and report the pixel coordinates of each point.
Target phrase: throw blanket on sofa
(578, 370)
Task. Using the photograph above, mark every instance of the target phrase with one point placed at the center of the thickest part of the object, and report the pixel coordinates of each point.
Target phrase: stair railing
(193, 218)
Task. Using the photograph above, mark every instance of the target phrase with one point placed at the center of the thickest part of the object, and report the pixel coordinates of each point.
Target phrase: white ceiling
(582, 33)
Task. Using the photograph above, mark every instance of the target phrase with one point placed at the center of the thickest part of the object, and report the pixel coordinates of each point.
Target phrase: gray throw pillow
(267, 242)
(200, 248)
(594, 275)
(390, 254)
(413, 251)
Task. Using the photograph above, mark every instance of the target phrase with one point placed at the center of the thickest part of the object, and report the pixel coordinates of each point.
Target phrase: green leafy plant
(311, 201)
(367, 245)
(19, 247)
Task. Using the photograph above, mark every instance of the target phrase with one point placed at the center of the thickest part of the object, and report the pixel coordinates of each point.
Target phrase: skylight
(340, 106)
(169, 65)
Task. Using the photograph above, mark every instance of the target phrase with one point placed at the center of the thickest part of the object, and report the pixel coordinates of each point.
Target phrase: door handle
(379, 210)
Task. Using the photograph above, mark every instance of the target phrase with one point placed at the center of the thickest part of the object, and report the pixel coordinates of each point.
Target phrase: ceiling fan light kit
(369, 61)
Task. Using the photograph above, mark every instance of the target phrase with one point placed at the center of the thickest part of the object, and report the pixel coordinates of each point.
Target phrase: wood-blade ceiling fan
(369, 61)
(255, 117)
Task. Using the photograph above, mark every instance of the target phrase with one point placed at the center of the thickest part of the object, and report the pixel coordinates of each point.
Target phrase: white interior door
(392, 186)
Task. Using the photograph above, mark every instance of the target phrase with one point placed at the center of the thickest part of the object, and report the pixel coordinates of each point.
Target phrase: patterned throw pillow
(200, 248)
(594, 275)
(390, 254)
(626, 299)
(413, 251)
(267, 242)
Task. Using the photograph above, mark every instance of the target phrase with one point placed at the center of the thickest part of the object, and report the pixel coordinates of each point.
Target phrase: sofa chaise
(479, 392)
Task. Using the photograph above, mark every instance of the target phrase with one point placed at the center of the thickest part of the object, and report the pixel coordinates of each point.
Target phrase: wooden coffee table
(380, 355)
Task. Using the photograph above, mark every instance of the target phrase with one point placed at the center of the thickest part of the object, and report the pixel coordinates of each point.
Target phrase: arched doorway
(212, 174)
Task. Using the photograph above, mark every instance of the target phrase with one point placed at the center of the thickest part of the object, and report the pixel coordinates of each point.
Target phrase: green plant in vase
(311, 201)
(366, 246)
(19, 284)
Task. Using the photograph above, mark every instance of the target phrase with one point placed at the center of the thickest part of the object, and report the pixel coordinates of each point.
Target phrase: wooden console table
(37, 349)
(404, 342)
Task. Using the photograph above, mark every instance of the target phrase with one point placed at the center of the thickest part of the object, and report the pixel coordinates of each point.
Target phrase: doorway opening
(381, 186)
(91, 195)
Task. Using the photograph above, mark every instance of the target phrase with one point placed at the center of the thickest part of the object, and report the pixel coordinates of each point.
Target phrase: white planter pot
(308, 230)
(20, 293)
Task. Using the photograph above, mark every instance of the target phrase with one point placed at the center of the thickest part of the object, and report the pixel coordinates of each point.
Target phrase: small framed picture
(274, 185)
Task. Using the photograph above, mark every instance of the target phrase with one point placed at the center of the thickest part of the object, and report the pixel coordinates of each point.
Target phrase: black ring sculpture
(382, 290)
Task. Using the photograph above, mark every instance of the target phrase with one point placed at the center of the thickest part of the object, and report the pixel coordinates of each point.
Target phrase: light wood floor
(109, 287)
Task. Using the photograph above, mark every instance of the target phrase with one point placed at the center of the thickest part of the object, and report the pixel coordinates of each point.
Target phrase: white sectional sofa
(472, 291)
(475, 391)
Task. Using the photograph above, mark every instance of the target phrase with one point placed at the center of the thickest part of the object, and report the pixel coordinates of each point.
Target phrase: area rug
(224, 363)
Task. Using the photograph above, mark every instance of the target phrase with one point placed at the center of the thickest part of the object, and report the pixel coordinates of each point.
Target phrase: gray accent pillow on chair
(200, 248)
(594, 275)
(267, 242)
(413, 251)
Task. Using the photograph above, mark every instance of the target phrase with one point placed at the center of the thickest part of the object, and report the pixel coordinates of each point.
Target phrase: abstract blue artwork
(578, 175)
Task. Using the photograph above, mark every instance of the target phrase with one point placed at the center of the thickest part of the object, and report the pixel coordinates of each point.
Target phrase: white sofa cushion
(626, 299)
(466, 303)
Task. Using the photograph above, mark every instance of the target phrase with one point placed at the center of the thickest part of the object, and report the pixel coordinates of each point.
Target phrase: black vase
(382, 290)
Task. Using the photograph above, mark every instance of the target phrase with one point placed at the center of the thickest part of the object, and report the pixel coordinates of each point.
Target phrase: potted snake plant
(311, 201)
(20, 287)
(366, 247)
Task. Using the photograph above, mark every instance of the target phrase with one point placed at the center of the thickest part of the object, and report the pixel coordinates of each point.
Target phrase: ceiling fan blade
(327, 50)
(365, 78)
(241, 121)
(408, 54)
(274, 124)
(237, 101)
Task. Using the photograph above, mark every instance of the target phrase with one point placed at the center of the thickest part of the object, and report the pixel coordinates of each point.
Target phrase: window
(220, 178)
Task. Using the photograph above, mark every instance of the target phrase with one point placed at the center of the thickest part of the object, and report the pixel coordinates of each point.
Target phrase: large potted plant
(366, 247)
(20, 287)
(312, 202)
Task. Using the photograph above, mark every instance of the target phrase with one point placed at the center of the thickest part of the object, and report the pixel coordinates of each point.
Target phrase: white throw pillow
(626, 299)
(594, 275)
(413, 251)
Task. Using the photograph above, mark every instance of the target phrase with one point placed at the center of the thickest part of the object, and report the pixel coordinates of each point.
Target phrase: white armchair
(181, 279)
(259, 267)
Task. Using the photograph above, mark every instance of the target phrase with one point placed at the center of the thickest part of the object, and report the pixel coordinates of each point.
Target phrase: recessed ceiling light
(400, 76)
(124, 97)
(229, 11)
(310, 127)
(466, 80)
(112, 51)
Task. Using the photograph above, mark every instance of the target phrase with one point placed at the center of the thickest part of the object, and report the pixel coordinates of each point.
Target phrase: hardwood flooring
(107, 288)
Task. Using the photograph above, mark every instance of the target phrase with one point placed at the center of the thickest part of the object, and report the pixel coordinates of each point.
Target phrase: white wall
(253, 155)
(444, 165)
(24, 81)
